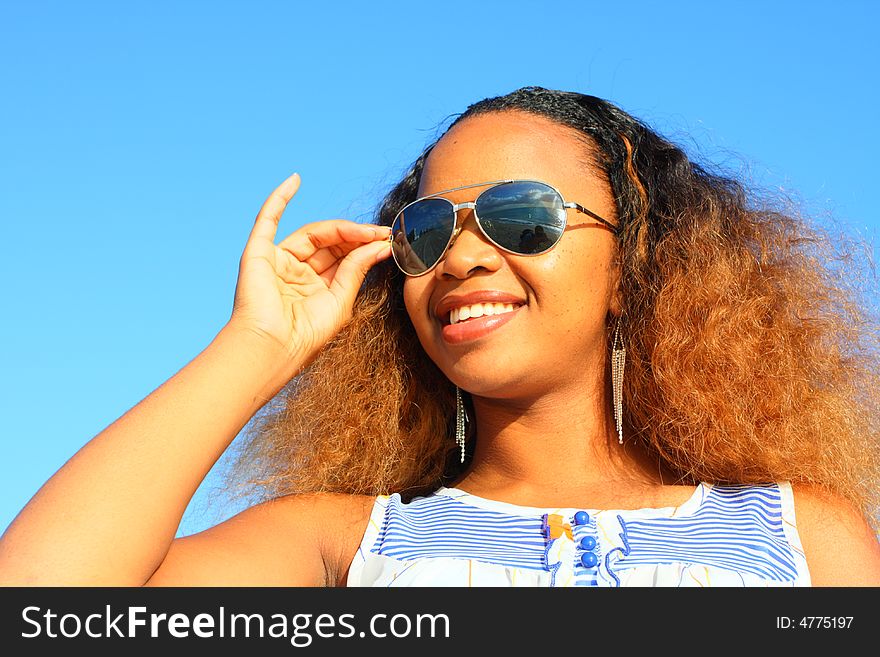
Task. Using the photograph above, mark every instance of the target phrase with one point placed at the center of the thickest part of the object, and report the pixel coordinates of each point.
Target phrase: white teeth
(457, 315)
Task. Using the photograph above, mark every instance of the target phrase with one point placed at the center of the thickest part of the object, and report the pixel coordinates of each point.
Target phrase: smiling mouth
(477, 310)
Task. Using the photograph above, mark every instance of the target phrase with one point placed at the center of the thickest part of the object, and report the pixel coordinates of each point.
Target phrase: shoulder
(334, 522)
(840, 547)
(296, 540)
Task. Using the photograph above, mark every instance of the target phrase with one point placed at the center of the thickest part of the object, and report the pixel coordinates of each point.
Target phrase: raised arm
(109, 515)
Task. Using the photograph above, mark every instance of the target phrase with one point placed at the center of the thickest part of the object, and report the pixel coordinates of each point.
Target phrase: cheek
(574, 280)
(415, 298)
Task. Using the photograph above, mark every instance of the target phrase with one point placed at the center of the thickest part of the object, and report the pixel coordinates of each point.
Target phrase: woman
(649, 399)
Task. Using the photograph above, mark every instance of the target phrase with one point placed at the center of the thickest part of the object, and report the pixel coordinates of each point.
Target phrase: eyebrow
(485, 184)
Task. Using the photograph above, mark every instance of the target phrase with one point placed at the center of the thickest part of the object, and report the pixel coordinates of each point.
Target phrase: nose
(469, 251)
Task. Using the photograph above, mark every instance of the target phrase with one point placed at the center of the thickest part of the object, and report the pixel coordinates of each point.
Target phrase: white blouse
(721, 536)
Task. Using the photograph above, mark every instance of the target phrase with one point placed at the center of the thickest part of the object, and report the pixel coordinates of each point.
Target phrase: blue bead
(581, 518)
(589, 559)
(588, 543)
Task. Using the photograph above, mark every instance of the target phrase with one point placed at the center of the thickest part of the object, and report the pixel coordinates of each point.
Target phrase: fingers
(266, 224)
(349, 274)
(320, 244)
(335, 236)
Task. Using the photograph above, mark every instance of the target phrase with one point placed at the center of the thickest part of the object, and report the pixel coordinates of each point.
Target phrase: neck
(560, 440)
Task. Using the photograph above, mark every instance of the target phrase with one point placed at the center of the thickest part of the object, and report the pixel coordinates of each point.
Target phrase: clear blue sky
(138, 140)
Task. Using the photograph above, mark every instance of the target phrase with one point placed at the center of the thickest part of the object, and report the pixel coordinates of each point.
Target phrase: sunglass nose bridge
(467, 205)
(455, 233)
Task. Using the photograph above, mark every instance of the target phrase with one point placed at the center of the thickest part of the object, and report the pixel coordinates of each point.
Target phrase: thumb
(353, 269)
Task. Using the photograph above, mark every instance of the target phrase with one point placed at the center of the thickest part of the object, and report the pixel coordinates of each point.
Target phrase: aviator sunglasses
(523, 217)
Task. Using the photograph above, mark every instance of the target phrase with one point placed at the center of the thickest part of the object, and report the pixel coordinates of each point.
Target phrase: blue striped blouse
(721, 536)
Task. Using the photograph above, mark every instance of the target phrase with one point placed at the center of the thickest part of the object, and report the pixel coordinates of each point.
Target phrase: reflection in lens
(523, 217)
(421, 233)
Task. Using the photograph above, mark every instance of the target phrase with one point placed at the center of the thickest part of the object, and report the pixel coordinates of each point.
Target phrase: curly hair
(751, 353)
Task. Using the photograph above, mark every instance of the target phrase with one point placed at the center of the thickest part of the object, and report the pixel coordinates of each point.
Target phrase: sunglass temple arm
(581, 208)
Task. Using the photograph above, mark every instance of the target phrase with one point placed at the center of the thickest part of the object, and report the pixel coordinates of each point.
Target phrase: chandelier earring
(461, 419)
(618, 361)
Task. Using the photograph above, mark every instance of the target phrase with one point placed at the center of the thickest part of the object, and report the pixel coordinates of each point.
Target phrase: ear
(615, 305)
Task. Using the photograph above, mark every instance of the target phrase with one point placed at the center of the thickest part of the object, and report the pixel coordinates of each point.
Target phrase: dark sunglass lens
(523, 217)
(420, 234)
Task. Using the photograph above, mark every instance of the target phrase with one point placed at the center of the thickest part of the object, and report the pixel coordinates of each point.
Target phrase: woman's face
(561, 298)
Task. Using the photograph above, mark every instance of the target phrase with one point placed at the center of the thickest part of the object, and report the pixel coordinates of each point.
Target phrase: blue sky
(138, 140)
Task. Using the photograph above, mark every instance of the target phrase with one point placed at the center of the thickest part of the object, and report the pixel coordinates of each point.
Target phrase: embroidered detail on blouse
(723, 535)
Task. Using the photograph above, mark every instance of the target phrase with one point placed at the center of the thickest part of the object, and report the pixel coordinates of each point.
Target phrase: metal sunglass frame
(457, 228)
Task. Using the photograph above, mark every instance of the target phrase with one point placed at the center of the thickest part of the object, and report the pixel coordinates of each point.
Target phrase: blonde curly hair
(751, 354)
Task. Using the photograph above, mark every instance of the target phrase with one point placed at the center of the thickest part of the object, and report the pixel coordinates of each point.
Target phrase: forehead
(506, 145)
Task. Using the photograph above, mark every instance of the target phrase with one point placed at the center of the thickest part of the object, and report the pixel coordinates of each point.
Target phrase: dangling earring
(460, 419)
(618, 360)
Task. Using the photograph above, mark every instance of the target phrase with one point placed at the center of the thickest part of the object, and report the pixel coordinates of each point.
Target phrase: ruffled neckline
(686, 508)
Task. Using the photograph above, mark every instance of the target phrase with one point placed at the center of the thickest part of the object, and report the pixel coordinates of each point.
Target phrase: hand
(300, 293)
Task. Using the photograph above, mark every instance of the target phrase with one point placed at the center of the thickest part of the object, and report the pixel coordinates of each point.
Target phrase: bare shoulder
(839, 544)
(297, 540)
